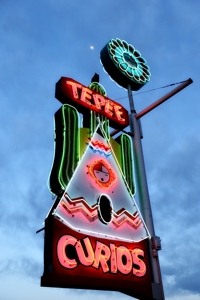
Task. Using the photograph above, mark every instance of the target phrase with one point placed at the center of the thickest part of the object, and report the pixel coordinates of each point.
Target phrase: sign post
(144, 199)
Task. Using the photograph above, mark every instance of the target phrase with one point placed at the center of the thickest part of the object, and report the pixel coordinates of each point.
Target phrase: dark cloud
(190, 281)
(21, 266)
(175, 202)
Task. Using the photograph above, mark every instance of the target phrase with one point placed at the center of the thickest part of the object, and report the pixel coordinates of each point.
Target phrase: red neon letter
(86, 261)
(113, 259)
(124, 260)
(86, 95)
(141, 267)
(75, 87)
(109, 108)
(63, 242)
(118, 113)
(99, 101)
(102, 255)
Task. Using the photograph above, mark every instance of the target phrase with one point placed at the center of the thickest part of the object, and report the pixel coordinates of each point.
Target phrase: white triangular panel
(98, 173)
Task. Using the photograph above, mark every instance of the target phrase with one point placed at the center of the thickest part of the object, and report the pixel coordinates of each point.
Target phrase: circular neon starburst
(125, 64)
(129, 60)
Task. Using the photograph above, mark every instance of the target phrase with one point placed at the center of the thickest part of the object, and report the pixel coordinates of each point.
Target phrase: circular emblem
(103, 174)
(124, 64)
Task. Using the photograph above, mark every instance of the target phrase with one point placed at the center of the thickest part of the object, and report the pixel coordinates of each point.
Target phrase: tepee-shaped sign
(97, 199)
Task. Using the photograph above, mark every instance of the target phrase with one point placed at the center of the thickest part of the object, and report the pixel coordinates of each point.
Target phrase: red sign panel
(69, 91)
(81, 261)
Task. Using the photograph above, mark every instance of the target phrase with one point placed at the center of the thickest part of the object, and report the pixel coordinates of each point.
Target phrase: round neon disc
(124, 64)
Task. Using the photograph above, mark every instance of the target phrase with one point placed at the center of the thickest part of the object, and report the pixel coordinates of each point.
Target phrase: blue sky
(40, 41)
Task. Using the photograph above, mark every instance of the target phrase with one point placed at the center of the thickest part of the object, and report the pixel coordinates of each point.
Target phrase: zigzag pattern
(123, 216)
(80, 204)
(91, 212)
(100, 147)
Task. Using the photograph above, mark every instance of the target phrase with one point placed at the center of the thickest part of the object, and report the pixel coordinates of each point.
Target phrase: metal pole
(164, 98)
(144, 199)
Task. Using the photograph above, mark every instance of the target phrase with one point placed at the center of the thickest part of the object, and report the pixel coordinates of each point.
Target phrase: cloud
(175, 189)
(186, 296)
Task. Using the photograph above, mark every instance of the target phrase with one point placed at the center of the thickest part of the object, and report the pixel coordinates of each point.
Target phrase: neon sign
(125, 64)
(95, 236)
(76, 260)
(110, 258)
(69, 91)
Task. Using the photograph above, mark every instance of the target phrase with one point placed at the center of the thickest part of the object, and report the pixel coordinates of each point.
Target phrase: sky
(40, 41)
